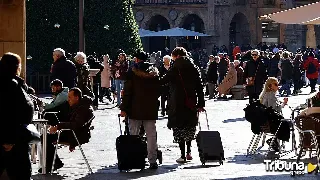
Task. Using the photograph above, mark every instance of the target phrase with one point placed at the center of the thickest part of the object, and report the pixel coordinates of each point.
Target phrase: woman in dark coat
(18, 106)
(186, 99)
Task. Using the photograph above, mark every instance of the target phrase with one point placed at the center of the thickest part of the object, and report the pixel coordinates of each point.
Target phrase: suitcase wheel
(221, 162)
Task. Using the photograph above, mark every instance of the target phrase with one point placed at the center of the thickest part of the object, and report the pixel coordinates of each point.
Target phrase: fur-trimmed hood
(151, 72)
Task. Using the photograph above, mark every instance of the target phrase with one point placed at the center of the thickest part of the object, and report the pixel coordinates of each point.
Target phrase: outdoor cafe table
(43, 154)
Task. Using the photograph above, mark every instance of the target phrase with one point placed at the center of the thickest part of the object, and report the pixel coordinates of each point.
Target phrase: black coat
(66, 71)
(259, 72)
(212, 74)
(179, 115)
(16, 109)
(162, 72)
(286, 69)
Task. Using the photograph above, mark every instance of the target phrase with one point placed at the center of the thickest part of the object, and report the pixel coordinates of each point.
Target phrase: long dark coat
(179, 115)
(260, 75)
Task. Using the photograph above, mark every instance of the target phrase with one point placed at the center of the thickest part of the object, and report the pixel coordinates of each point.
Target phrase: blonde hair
(267, 87)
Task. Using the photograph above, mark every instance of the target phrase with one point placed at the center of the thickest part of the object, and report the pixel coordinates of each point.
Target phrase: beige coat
(229, 81)
(106, 74)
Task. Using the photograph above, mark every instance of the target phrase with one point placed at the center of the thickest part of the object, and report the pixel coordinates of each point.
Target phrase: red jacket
(316, 63)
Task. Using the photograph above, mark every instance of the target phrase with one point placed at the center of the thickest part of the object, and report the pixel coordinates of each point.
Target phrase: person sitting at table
(59, 103)
(81, 112)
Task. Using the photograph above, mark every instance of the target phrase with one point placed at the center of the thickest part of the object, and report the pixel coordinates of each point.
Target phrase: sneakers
(181, 160)
(189, 157)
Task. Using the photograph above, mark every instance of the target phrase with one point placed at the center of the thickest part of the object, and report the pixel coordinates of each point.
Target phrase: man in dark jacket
(164, 68)
(80, 113)
(255, 71)
(212, 75)
(286, 74)
(95, 64)
(63, 69)
(140, 102)
(18, 107)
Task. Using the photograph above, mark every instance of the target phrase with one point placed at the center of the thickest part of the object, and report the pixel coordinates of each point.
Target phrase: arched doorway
(158, 23)
(194, 23)
(239, 31)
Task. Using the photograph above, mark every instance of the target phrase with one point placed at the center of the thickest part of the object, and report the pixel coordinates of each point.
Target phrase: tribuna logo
(280, 166)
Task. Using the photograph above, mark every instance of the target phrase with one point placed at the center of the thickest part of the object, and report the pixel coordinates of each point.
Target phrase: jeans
(151, 132)
(119, 86)
(286, 87)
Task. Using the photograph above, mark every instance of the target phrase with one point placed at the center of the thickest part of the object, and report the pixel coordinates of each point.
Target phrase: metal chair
(75, 136)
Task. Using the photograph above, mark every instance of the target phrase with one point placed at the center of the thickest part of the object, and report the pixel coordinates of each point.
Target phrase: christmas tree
(109, 26)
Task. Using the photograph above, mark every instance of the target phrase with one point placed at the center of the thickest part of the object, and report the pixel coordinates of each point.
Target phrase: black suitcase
(131, 150)
(209, 145)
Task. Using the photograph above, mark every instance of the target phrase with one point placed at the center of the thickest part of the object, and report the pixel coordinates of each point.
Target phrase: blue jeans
(119, 87)
(286, 87)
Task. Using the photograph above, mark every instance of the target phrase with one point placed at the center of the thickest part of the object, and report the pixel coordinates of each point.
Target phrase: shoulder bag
(250, 80)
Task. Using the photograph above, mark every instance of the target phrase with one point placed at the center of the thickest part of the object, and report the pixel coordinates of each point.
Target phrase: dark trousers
(297, 83)
(104, 92)
(253, 97)
(96, 87)
(164, 98)
(182, 146)
(16, 162)
(313, 83)
(51, 139)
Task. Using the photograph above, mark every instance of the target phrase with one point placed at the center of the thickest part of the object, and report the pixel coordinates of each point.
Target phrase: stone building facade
(228, 22)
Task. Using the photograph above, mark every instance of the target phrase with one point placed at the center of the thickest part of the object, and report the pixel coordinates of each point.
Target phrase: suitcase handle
(126, 122)
(206, 120)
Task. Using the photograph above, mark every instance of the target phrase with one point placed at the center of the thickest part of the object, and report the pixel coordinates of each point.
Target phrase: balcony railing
(169, 2)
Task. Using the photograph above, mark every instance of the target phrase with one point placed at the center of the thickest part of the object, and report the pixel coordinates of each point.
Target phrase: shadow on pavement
(113, 173)
(48, 177)
(234, 120)
(201, 167)
(244, 159)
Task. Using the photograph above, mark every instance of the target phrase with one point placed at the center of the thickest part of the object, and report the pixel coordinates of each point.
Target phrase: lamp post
(81, 30)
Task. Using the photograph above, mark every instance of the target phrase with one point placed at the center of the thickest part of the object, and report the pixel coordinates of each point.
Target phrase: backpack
(311, 68)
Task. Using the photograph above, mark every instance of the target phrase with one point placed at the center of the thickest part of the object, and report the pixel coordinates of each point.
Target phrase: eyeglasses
(254, 55)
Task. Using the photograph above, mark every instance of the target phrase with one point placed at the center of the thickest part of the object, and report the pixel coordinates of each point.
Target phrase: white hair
(83, 55)
(166, 57)
(257, 51)
(60, 51)
(236, 62)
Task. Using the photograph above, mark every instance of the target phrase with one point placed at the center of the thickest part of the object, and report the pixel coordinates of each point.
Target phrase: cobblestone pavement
(224, 116)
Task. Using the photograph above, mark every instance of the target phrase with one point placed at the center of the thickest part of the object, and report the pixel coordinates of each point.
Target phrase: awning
(307, 14)
(144, 32)
(175, 32)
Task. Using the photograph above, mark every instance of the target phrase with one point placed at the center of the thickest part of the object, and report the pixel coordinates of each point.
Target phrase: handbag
(29, 134)
(250, 80)
(191, 104)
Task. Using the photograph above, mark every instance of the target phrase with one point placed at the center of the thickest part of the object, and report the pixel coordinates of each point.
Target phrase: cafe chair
(87, 124)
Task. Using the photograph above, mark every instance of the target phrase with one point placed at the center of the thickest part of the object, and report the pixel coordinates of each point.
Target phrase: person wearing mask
(186, 100)
(140, 102)
(14, 152)
(255, 74)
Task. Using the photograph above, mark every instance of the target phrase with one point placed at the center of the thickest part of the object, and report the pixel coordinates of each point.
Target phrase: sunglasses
(254, 55)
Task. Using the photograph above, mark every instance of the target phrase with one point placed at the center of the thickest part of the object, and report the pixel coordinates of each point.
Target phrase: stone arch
(182, 17)
(239, 30)
(158, 23)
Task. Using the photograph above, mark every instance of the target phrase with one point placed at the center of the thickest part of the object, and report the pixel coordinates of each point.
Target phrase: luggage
(209, 145)
(131, 150)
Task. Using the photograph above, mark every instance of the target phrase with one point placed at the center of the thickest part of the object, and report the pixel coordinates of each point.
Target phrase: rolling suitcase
(131, 150)
(209, 145)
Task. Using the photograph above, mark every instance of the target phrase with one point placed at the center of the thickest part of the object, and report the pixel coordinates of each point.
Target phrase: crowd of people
(137, 84)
